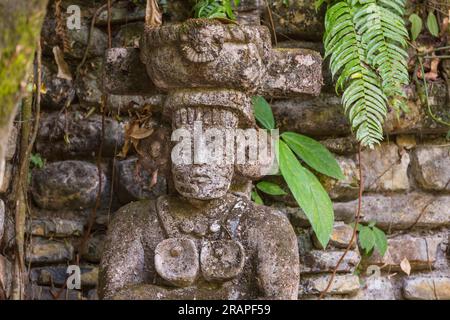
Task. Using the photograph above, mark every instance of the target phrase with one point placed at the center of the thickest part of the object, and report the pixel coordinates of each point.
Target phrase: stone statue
(205, 242)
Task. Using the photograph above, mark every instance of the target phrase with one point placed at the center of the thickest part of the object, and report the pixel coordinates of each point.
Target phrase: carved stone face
(209, 180)
(202, 182)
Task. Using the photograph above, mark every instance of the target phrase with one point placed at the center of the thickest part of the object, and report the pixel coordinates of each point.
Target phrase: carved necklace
(199, 225)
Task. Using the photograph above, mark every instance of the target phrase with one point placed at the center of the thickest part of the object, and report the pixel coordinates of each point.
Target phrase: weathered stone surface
(42, 251)
(342, 146)
(347, 188)
(342, 284)
(12, 142)
(376, 288)
(431, 167)
(304, 241)
(121, 104)
(92, 294)
(427, 288)
(385, 168)
(35, 292)
(418, 118)
(124, 73)
(249, 17)
(241, 186)
(121, 12)
(248, 5)
(55, 227)
(406, 141)
(129, 35)
(2, 218)
(340, 236)
(219, 55)
(324, 117)
(5, 277)
(401, 211)
(94, 248)
(59, 92)
(67, 185)
(293, 72)
(134, 183)
(89, 278)
(126, 12)
(318, 261)
(83, 134)
(57, 275)
(318, 117)
(75, 217)
(420, 251)
(6, 178)
(277, 243)
(88, 84)
(298, 20)
(298, 218)
(76, 39)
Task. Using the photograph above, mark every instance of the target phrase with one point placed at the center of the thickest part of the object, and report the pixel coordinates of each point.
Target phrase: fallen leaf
(140, 133)
(154, 179)
(444, 26)
(63, 67)
(153, 16)
(405, 266)
(433, 66)
(433, 74)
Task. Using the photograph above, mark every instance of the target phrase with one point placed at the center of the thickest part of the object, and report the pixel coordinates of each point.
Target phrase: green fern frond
(366, 40)
(385, 35)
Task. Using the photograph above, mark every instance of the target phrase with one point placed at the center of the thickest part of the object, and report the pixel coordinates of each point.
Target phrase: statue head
(200, 176)
(204, 125)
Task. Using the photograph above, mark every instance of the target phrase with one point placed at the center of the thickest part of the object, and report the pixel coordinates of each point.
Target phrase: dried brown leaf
(153, 16)
(63, 67)
(405, 266)
(140, 133)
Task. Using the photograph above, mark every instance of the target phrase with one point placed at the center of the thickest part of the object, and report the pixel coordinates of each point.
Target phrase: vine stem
(91, 31)
(355, 228)
(425, 85)
(105, 98)
(29, 133)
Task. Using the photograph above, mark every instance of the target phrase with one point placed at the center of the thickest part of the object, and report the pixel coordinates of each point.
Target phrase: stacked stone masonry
(406, 179)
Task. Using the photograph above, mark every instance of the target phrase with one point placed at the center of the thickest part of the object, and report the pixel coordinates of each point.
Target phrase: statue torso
(195, 252)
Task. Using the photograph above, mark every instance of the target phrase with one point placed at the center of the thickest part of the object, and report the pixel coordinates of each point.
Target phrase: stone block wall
(407, 179)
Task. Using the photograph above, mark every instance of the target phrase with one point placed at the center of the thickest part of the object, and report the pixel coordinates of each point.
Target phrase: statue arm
(277, 258)
(123, 260)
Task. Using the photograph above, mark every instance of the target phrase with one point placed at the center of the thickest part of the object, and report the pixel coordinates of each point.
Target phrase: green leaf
(271, 188)
(256, 198)
(318, 4)
(309, 194)
(381, 243)
(432, 24)
(358, 228)
(314, 154)
(416, 26)
(366, 239)
(37, 161)
(263, 112)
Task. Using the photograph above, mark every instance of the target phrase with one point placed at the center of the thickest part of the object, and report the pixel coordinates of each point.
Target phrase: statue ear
(249, 171)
